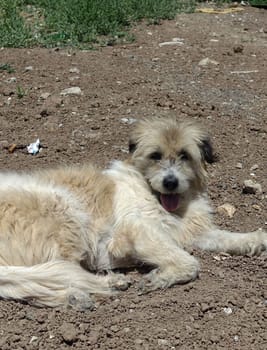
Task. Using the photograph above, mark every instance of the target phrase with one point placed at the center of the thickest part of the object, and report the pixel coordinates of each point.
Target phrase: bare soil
(226, 307)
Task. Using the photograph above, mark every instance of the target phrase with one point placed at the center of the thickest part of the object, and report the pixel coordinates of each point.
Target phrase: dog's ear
(207, 151)
(132, 146)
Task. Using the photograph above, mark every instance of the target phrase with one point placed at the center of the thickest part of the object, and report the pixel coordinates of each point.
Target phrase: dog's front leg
(172, 264)
(150, 242)
(252, 243)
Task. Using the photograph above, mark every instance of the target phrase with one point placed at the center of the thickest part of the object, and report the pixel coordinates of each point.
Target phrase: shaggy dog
(59, 227)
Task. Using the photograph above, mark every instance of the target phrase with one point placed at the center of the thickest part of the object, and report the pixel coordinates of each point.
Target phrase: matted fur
(60, 227)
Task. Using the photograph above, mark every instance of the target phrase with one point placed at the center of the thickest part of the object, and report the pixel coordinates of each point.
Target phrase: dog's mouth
(170, 202)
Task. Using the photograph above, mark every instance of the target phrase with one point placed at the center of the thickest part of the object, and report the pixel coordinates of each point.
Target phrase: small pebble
(33, 338)
(28, 69)
(163, 342)
(68, 333)
(206, 61)
(226, 210)
(254, 167)
(74, 70)
(44, 95)
(228, 310)
(128, 121)
(75, 90)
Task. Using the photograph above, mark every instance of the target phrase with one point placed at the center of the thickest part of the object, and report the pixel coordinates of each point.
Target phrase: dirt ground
(226, 307)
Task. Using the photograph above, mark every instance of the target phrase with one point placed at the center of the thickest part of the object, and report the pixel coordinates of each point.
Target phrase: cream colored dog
(59, 227)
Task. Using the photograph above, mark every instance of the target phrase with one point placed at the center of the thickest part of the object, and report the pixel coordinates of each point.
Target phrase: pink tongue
(170, 202)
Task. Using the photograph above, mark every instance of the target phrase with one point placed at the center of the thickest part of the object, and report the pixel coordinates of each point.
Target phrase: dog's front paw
(161, 279)
(151, 282)
(119, 281)
(78, 300)
(260, 244)
(263, 238)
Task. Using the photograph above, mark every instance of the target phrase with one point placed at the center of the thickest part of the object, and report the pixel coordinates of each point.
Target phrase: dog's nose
(170, 182)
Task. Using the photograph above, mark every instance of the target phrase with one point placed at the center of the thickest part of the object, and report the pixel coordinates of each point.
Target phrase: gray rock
(206, 61)
(74, 70)
(28, 69)
(254, 167)
(251, 187)
(226, 209)
(94, 337)
(75, 90)
(11, 80)
(44, 95)
(175, 41)
(68, 333)
(163, 342)
(128, 120)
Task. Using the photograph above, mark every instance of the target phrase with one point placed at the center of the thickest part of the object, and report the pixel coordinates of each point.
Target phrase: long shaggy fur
(61, 228)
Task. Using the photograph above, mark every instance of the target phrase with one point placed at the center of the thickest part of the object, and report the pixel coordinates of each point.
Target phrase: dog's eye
(184, 155)
(155, 156)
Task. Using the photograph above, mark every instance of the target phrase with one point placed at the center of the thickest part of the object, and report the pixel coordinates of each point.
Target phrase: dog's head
(171, 156)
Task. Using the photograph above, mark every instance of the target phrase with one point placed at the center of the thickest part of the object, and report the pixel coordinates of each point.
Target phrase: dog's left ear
(132, 146)
(207, 151)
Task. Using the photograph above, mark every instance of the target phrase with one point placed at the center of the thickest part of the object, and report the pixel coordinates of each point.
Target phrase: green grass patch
(21, 92)
(7, 67)
(13, 31)
(260, 3)
(79, 22)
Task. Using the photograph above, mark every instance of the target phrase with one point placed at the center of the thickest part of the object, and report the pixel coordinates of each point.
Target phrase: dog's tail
(54, 283)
